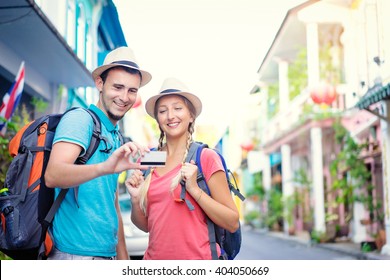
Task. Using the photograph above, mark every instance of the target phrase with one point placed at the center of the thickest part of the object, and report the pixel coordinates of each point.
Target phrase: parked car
(136, 239)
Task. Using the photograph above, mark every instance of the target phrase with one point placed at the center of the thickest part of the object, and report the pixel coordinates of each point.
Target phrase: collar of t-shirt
(104, 119)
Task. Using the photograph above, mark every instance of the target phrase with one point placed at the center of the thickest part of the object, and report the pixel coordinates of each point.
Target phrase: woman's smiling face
(173, 115)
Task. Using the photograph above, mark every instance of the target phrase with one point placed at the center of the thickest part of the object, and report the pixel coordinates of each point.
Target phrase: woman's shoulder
(210, 162)
(209, 155)
(209, 152)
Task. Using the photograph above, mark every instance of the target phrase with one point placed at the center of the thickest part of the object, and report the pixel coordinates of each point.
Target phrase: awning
(30, 34)
(110, 28)
(374, 95)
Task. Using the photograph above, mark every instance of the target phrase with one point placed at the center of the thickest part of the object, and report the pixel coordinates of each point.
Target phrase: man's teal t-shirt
(88, 227)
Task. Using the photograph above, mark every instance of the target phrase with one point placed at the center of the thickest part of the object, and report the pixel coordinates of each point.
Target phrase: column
(318, 181)
(267, 180)
(266, 172)
(287, 182)
(385, 127)
(359, 230)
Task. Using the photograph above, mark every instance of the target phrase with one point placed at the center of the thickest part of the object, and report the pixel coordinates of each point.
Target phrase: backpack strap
(234, 189)
(203, 185)
(121, 138)
(47, 222)
(95, 140)
(192, 153)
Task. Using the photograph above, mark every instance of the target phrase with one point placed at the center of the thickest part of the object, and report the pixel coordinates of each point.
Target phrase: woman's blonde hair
(161, 144)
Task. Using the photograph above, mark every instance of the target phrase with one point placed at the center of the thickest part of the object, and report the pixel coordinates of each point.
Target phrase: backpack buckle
(22, 149)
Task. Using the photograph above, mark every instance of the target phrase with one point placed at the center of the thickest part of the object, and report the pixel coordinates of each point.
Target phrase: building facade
(61, 42)
(321, 128)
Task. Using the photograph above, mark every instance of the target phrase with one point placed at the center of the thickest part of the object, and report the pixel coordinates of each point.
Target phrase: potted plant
(303, 184)
(274, 218)
(290, 208)
(257, 195)
(348, 170)
(352, 183)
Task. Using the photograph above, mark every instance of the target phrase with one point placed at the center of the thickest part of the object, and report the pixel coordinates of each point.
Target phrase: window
(89, 48)
(81, 31)
(71, 24)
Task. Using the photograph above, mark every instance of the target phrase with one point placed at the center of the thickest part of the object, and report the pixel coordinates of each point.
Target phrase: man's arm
(62, 172)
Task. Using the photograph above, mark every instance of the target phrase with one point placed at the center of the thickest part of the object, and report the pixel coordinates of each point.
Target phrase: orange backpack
(27, 205)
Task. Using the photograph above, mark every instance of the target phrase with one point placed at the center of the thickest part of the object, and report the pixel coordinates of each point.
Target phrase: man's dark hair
(127, 69)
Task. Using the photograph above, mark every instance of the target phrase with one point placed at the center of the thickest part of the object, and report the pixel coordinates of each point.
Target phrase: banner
(171, 270)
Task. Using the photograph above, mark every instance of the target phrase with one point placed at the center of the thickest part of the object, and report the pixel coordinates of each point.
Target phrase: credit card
(154, 158)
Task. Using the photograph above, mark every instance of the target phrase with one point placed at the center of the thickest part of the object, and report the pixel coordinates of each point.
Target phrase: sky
(215, 47)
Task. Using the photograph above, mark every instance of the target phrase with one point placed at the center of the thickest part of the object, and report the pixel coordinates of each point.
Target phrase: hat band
(170, 90)
(126, 62)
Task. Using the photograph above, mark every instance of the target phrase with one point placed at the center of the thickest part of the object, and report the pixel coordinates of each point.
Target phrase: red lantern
(323, 93)
(137, 102)
(247, 146)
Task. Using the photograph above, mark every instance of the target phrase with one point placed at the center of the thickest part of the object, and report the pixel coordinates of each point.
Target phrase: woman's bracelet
(200, 195)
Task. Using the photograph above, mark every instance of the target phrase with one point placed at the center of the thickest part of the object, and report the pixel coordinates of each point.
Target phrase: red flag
(12, 98)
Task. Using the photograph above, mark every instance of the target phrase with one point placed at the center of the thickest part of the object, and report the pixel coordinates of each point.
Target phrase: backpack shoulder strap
(233, 188)
(95, 140)
(191, 155)
(192, 152)
(121, 138)
(201, 178)
(195, 153)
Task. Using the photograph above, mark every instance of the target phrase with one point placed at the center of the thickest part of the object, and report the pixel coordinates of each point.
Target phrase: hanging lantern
(247, 146)
(324, 93)
(137, 102)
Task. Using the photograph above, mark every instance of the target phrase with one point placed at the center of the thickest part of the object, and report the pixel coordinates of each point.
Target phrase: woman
(175, 232)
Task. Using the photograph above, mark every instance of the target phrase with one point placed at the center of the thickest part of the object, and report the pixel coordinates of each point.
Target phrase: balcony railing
(299, 111)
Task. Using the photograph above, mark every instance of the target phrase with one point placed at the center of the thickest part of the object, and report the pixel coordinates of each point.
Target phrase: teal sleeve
(75, 127)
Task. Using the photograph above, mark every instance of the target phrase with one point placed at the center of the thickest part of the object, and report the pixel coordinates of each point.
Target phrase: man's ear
(99, 83)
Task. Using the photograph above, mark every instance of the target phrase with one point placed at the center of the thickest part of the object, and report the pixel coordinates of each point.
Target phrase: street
(258, 245)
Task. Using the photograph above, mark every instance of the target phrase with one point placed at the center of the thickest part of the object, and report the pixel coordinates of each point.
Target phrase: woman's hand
(189, 173)
(133, 183)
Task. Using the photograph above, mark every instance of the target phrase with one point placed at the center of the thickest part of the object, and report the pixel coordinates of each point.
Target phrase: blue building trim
(110, 30)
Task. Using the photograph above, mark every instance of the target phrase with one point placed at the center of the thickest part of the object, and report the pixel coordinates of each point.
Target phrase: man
(90, 226)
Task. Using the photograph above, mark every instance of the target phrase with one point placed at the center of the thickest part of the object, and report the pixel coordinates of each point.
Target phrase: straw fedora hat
(122, 56)
(172, 86)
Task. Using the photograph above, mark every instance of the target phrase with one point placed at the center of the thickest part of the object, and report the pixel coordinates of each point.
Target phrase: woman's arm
(220, 207)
